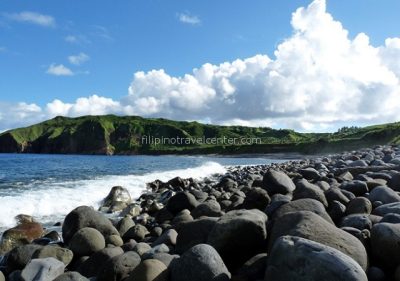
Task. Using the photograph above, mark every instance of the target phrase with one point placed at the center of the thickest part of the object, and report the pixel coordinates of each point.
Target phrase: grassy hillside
(110, 134)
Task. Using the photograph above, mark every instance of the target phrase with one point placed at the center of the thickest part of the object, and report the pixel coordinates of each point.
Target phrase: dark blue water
(49, 186)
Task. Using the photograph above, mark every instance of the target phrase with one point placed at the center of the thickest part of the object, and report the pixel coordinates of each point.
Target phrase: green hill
(110, 134)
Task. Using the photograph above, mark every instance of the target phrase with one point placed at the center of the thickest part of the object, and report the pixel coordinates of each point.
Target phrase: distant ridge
(110, 134)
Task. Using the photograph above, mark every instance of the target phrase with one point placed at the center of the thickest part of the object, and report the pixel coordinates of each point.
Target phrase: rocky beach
(333, 217)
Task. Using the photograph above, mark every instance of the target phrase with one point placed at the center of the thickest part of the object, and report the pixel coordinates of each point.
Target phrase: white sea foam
(51, 201)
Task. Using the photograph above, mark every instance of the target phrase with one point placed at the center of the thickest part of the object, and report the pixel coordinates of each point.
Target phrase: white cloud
(76, 39)
(71, 39)
(189, 19)
(32, 17)
(319, 79)
(78, 59)
(59, 70)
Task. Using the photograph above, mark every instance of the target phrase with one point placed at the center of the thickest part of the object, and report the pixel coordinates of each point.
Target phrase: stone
(46, 269)
(137, 232)
(168, 237)
(141, 248)
(71, 276)
(383, 194)
(200, 263)
(54, 251)
(149, 270)
(295, 258)
(336, 194)
(193, 233)
(86, 241)
(306, 204)
(385, 209)
(119, 267)
(19, 257)
(96, 262)
(115, 240)
(385, 243)
(132, 210)
(117, 195)
(310, 226)
(85, 216)
(310, 173)
(124, 225)
(358, 188)
(359, 221)
(181, 201)
(277, 182)
(253, 269)
(238, 236)
(359, 205)
(256, 198)
(210, 208)
(165, 258)
(376, 274)
(304, 189)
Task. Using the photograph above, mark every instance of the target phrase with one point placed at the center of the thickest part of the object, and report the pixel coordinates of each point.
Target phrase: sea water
(48, 187)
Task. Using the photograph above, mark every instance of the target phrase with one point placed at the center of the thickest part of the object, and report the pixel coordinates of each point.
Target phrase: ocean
(48, 187)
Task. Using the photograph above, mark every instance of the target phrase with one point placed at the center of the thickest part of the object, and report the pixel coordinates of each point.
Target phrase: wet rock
(277, 182)
(86, 217)
(86, 241)
(295, 258)
(96, 262)
(181, 201)
(200, 263)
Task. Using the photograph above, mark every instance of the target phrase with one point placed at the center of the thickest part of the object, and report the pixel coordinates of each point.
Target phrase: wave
(50, 201)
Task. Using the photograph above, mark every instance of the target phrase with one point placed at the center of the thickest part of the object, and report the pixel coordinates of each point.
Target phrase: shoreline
(332, 203)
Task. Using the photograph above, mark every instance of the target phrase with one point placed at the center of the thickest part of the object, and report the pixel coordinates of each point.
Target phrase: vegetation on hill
(110, 134)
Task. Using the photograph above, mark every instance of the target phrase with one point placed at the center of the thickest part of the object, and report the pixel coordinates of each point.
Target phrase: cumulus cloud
(59, 70)
(78, 59)
(318, 79)
(188, 19)
(32, 17)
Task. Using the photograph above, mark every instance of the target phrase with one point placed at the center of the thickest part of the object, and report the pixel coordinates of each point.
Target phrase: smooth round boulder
(46, 269)
(71, 276)
(53, 251)
(359, 221)
(85, 216)
(137, 232)
(385, 243)
(95, 263)
(200, 263)
(210, 208)
(383, 194)
(277, 182)
(118, 194)
(253, 269)
(149, 270)
(168, 237)
(390, 208)
(359, 205)
(87, 241)
(2, 277)
(181, 201)
(19, 257)
(304, 189)
(238, 236)
(305, 204)
(358, 188)
(310, 226)
(295, 258)
(257, 198)
(119, 267)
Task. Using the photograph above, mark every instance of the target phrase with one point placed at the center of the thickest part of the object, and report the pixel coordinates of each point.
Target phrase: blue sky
(65, 50)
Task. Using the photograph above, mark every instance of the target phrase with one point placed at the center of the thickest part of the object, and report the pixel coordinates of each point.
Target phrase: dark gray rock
(335, 194)
(95, 263)
(359, 221)
(210, 208)
(376, 274)
(358, 188)
(253, 269)
(384, 194)
(385, 243)
(238, 236)
(256, 198)
(193, 233)
(46, 269)
(86, 241)
(86, 217)
(304, 189)
(295, 258)
(168, 237)
(181, 201)
(310, 173)
(200, 263)
(359, 205)
(119, 267)
(137, 232)
(382, 210)
(277, 182)
(54, 251)
(71, 276)
(310, 226)
(149, 270)
(124, 225)
(19, 257)
(391, 218)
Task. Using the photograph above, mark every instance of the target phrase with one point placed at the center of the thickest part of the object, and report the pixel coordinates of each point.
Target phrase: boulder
(385, 243)
(385, 209)
(359, 205)
(46, 269)
(310, 173)
(86, 217)
(193, 233)
(253, 269)
(306, 204)
(200, 263)
(277, 182)
(19, 257)
(71, 276)
(304, 189)
(124, 225)
(210, 208)
(295, 258)
(118, 197)
(310, 226)
(115, 240)
(96, 262)
(141, 248)
(168, 237)
(137, 232)
(358, 188)
(256, 198)
(336, 194)
(165, 258)
(54, 251)
(86, 241)
(119, 267)
(238, 236)
(149, 270)
(383, 194)
(359, 221)
(181, 201)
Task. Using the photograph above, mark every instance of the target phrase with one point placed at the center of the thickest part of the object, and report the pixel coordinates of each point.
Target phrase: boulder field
(332, 217)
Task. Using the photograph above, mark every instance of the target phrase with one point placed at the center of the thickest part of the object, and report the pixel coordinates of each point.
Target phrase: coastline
(257, 210)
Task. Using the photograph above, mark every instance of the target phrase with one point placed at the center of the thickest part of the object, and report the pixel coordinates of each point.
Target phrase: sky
(305, 65)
